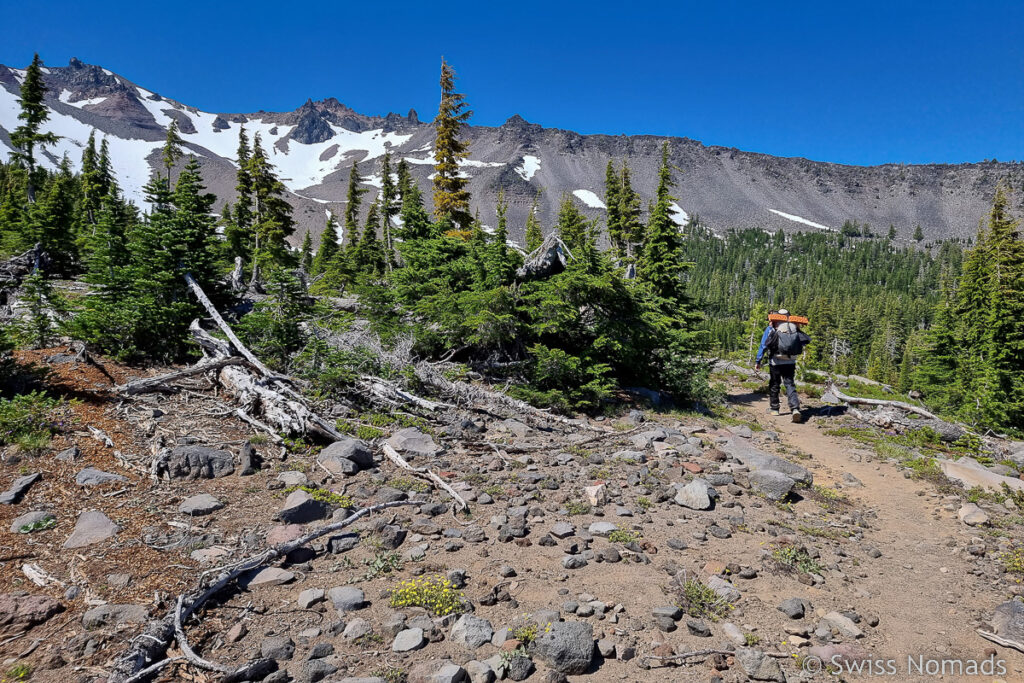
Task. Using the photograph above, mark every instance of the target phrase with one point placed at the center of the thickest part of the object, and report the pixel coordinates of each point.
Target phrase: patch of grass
(259, 439)
(644, 503)
(701, 602)
(31, 418)
(18, 672)
(829, 498)
(495, 491)
(577, 507)
(369, 640)
(41, 525)
(623, 536)
(434, 593)
(798, 559)
(408, 484)
(599, 473)
(751, 639)
(324, 496)
(391, 674)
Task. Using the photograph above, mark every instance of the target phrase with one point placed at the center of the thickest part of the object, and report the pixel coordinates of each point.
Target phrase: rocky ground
(608, 549)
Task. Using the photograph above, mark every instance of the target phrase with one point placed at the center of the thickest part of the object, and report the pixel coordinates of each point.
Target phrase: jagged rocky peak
(310, 126)
(78, 77)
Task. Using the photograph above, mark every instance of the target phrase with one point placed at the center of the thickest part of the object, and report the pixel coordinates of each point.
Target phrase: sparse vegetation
(796, 558)
(434, 593)
(700, 601)
(577, 507)
(41, 525)
(623, 536)
(324, 496)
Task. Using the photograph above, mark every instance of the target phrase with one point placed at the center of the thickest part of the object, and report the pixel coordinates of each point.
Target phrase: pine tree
(306, 253)
(389, 207)
(534, 236)
(27, 136)
(501, 261)
(405, 181)
(53, 220)
(92, 193)
(918, 233)
(892, 232)
(662, 263)
(630, 223)
(451, 198)
(612, 185)
(172, 149)
(272, 215)
(39, 327)
(239, 232)
(328, 246)
(352, 203)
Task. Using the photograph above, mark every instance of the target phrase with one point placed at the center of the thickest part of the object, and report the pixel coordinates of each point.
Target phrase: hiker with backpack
(782, 342)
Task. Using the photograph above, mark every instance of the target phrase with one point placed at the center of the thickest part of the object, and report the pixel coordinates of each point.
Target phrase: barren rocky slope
(314, 146)
(614, 545)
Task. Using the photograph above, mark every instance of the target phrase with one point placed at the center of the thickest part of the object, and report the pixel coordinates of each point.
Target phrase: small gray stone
(270, 576)
(413, 443)
(347, 598)
(471, 631)
(357, 628)
(113, 615)
(92, 527)
(302, 508)
(794, 608)
(91, 476)
(203, 504)
(30, 518)
(293, 478)
(567, 647)
(562, 530)
(574, 562)
(759, 666)
(408, 640)
(519, 668)
(479, 672)
(602, 529)
(349, 449)
(437, 671)
(279, 647)
(198, 462)
(310, 597)
(670, 611)
(774, 486)
(695, 495)
(69, 454)
(19, 487)
(316, 670)
(698, 628)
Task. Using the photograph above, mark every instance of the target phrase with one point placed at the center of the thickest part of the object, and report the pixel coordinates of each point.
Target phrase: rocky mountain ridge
(314, 146)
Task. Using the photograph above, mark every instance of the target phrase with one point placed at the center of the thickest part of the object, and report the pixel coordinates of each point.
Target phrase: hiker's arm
(761, 348)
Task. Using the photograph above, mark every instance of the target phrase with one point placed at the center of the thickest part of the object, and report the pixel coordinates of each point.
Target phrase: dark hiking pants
(782, 374)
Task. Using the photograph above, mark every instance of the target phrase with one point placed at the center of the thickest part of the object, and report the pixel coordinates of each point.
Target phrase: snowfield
(590, 199)
(798, 219)
(529, 167)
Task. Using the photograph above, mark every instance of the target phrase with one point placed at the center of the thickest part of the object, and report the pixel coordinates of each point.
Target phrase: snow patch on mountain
(679, 217)
(65, 97)
(529, 167)
(798, 219)
(128, 156)
(590, 199)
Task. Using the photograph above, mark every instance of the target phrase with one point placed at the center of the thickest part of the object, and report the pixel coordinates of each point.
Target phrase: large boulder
(302, 508)
(1008, 620)
(697, 495)
(759, 666)
(21, 610)
(756, 460)
(567, 647)
(91, 476)
(437, 671)
(972, 473)
(197, 462)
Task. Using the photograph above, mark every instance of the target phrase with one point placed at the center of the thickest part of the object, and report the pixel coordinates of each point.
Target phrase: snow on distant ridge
(679, 217)
(529, 167)
(590, 199)
(65, 97)
(798, 219)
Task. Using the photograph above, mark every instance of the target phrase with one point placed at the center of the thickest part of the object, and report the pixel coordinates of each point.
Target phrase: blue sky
(855, 82)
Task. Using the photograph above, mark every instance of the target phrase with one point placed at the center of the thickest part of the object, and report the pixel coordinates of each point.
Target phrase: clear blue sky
(853, 82)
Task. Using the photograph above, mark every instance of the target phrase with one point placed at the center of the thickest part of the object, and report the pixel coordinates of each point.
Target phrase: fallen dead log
(148, 649)
(162, 382)
(856, 400)
(1001, 641)
(394, 457)
(390, 393)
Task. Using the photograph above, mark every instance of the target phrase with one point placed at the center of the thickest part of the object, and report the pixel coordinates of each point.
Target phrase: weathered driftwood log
(394, 457)
(891, 415)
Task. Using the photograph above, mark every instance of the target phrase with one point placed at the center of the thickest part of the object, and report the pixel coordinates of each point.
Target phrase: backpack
(787, 342)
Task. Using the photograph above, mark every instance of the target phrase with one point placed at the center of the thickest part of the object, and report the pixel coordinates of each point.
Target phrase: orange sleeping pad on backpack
(799, 320)
(776, 318)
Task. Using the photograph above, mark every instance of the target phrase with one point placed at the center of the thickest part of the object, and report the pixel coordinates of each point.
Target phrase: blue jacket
(774, 360)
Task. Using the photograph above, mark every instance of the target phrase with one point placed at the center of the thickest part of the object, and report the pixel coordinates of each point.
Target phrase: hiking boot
(797, 417)
(773, 413)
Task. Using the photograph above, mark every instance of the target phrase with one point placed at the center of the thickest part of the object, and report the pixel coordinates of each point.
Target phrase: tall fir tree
(238, 233)
(612, 184)
(328, 246)
(353, 200)
(451, 196)
(534, 236)
(662, 263)
(272, 214)
(28, 136)
(171, 151)
(389, 207)
(306, 253)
